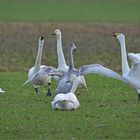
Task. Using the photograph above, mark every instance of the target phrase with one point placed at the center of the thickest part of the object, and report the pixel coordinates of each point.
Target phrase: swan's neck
(74, 85)
(125, 66)
(70, 58)
(61, 59)
(38, 58)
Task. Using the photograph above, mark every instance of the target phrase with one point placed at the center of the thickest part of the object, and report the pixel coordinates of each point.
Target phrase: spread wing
(138, 54)
(42, 71)
(135, 70)
(98, 69)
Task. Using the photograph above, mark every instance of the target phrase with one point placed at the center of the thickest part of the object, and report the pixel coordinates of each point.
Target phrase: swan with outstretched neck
(129, 76)
(61, 59)
(37, 74)
(63, 86)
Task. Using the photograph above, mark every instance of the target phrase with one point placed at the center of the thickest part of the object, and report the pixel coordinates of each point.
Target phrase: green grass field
(68, 11)
(108, 110)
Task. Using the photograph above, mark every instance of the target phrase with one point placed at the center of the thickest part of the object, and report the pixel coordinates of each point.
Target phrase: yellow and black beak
(53, 33)
(114, 34)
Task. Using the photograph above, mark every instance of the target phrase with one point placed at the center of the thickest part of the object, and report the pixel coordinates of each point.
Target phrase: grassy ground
(108, 110)
(68, 11)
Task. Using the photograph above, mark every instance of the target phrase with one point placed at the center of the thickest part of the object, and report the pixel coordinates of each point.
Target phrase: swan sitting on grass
(67, 101)
(38, 74)
(129, 76)
(67, 85)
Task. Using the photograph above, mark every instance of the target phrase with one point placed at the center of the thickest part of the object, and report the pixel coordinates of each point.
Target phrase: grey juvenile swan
(37, 74)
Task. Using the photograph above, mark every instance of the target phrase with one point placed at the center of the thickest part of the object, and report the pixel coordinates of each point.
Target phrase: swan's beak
(68, 81)
(114, 34)
(53, 34)
(41, 38)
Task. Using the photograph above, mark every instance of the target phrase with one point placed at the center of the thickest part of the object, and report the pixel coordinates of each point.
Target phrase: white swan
(67, 101)
(61, 59)
(37, 75)
(130, 76)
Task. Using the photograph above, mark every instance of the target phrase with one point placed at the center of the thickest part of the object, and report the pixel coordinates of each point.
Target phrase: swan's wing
(30, 79)
(98, 69)
(135, 58)
(135, 70)
(43, 71)
(138, 54)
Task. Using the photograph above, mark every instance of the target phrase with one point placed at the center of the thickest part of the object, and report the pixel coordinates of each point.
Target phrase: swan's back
(65, 101)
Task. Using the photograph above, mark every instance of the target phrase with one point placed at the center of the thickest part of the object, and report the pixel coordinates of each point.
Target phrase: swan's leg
(37, 92)
(138, 97)
(138, 90)
(49, 89)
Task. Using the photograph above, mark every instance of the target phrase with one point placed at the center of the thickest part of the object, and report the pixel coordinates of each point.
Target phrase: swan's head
(41, 41)
(134, 57)
(73, 47)
(119, 36)
(57, 32)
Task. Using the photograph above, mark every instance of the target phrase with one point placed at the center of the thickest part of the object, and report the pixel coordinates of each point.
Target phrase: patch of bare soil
(18, 43)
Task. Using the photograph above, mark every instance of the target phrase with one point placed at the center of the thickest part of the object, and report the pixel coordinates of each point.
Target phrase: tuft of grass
(108, 110)
(69, 11)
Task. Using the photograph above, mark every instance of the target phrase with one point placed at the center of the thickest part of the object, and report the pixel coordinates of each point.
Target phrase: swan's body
(37, 75)
(129, 76)
(67, 101)
(61, 60)
(40, 78)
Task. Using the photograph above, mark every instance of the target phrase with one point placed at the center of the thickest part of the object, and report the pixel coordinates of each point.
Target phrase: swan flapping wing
(98, 69)
(138, 54)
(42, 71)
(29, 79)
(135, 58)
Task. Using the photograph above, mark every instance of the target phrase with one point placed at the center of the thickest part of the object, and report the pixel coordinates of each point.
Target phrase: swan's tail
(26, 82)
